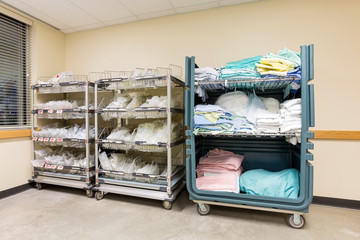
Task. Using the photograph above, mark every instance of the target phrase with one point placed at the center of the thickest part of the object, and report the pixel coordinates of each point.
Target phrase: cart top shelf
(257, 83)
(153, 81)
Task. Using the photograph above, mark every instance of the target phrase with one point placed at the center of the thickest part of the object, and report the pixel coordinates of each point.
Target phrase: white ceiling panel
(33, 11)
(157, 14)
(233, 2)
(138, 7)
(103, 10)
(121, 20)
(197, 7)
(68, 30)
(186, 3)
(79, 15)
(88, 27)
(63, 10)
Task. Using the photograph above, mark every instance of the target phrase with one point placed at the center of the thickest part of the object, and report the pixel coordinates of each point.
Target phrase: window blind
(14, 73)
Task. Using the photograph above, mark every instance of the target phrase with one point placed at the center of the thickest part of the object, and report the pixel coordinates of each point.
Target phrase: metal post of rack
(96, 135)
(169, 120)
(87, 140)
(32, 128)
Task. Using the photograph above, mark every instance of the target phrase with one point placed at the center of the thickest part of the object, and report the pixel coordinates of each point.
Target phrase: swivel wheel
(89, 193)
(38, 186)
(167, 205)
(295, 221)
(203, 209)
(99, 195)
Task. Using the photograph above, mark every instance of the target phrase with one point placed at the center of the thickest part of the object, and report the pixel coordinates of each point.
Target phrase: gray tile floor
(64, 213)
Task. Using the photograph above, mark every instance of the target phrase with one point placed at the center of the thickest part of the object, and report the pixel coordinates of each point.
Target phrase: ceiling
(78, 15)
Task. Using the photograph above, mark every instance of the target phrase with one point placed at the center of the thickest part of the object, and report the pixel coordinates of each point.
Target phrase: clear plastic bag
(152, 168)
(119, 102)
(119, 134)
(233, 102)
(104, 161)
(254, 104)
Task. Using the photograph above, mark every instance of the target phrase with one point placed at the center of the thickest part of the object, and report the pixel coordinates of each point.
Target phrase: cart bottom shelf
(138, 192)
(74, 183)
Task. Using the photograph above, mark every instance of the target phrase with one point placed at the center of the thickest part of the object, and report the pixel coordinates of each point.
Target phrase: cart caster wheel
(203, 209)
(167, 205)
(99, 195)
(38, 186)
(295, 221)
(89, 193)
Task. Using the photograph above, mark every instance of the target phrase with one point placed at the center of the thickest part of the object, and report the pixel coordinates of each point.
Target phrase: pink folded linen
(201, 170)
(227, 182)
(219, 161)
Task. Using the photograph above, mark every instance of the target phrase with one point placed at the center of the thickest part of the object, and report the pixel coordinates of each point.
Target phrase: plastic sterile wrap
(233, 102)
(133, 168)
(63, 82)
(53, 135)
(62, 161)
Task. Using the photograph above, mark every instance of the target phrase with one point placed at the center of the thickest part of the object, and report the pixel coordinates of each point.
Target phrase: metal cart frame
(174, 181)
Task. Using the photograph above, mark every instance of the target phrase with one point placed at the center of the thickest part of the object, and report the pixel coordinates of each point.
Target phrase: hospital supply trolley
(168, 155)
(58, 159)
(269, 151)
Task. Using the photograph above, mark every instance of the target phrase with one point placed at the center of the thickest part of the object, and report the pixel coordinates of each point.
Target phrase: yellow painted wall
(48, 58)
(232, 33)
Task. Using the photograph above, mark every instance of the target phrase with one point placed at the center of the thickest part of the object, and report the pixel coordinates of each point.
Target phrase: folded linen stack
(219, 170)
(212, 119)
(267, 122)
(242, 68)
(207, 74)
(279, 65)
(290, 112)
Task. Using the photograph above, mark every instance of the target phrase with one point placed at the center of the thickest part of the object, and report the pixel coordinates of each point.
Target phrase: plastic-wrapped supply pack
(53, 135)
(155, 101)
(54, 131)
(271, 104)
(119, 102)
(157, 132)
(57, 105)
(233, 102)
(61, 158)
(120, 134)
(131, 167)
(254, 103)
(136, 101)
(150, 169)
(58, 78)
(161, 101)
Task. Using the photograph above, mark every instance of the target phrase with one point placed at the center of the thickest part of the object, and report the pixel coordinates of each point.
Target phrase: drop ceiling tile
(196, 7)
(67, 30)
(30, 10)
(90, 26)
(139, 7)
(186, 3)
(104, 10)
(63, 10)
(156, 14)
(121, 20)
(234, 2)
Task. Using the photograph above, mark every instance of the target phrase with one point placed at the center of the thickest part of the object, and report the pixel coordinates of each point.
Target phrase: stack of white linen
(267, 122)
(207, 74)
(290, 112)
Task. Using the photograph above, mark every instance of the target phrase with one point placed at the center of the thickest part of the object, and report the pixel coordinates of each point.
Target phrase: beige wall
(48, 58)
(231, 33)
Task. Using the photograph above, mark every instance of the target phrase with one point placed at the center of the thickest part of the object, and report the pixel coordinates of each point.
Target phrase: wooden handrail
(340, 135)
(5, 134)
